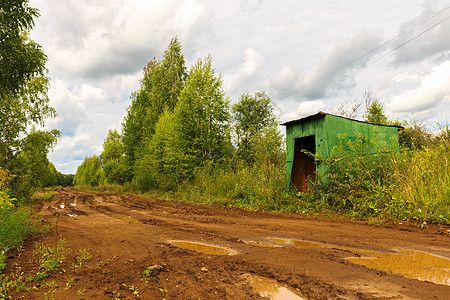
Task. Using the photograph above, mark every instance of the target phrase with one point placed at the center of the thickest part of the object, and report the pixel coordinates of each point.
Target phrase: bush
(421, 183)
(367, 180)
(16, 223)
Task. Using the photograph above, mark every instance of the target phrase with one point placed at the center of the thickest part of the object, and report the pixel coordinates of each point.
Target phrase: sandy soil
(127, 234)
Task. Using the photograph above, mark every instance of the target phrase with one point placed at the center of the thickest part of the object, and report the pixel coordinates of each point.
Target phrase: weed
(163, 292)
(3, 257)
(83, 256)
(134, 289)
(49, 258)
(52, 288)
(69, 283)
(81, 292)
(116, 295)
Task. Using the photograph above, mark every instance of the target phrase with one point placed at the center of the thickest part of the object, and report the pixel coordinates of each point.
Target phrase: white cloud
(433, 89)
(303, 109)
(248, 74)
(339, 64)
(434, 44)
(104, 38)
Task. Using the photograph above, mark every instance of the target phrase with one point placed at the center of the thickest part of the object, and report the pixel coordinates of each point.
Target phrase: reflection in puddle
(73, 204)
(62, 206)
(72, 215)
(410, 264)
(203, 248)
(407, 263)
(271, 289)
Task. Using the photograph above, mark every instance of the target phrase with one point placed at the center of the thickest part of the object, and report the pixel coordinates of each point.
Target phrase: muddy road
(154, 249)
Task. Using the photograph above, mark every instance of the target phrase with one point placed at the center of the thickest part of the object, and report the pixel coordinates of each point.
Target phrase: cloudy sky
(306, 55)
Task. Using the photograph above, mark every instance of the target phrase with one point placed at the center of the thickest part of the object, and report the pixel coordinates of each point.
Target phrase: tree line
(181, 123)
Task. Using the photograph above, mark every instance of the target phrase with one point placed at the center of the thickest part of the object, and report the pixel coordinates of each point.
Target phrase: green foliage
(202, 116)
(22, 59)
(16, 223)
(49, 258)
(112, 158)
(194, 134)
(164, 84)
(251, 115)
(160, 90)
(414, 135)
(31, 165)
(357, 177)
(366, 180)
(420, 183)
(23, 101)
(89, 172)
(161, 166)
(375, 113)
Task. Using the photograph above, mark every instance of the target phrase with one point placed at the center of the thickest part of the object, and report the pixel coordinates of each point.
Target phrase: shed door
(304, 165)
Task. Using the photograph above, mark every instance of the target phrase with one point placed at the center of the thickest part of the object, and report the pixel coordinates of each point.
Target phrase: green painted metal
(326, 129)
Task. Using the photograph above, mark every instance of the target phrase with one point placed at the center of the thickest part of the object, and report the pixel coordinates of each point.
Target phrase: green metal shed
(319, 133)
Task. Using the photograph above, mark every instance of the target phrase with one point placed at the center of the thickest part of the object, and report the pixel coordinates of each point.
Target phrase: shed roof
(322, 114)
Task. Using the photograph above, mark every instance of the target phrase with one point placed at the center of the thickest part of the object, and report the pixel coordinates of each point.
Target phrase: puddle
(260, 244)
(71, 215)
(407, 263)
(302, 243)
(62, 206)
(204, 248)
(272, 289)
(73, 204)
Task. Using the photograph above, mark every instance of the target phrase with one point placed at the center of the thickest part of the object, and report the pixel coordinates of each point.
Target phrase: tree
(23, 98)
(112, 158)
(89, 172)
(252, 114)
(375, 113)
(29, 106)
(31, 165)
(160, 89)
(203, 118)
(167, 81)
(21, 59)
(196, 133)
(133, 124)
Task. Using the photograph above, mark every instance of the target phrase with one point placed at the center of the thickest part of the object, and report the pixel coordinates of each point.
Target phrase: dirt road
(136, 252)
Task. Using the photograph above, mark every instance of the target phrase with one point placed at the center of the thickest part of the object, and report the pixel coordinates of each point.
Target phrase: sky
(307, 56)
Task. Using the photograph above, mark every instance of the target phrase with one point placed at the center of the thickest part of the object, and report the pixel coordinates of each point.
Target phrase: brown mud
(142, 248)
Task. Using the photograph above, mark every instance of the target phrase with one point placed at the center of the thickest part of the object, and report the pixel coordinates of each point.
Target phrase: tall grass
(420, 187)
(366, 180)
(16, 223)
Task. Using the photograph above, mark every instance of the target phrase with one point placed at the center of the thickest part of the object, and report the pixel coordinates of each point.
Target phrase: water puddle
(260, 244)
(72, 215)
(73, 204)
(62, 206)
(407, 263)
(272, 289)
(204, 248)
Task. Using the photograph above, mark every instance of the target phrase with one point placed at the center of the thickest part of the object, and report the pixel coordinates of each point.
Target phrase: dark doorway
(304, 165)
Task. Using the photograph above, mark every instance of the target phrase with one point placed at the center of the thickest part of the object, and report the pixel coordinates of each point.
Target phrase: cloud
(335, 71)
(249, 73)
(432, 44)
(433, 89)
(333, 74)
(303, 109)
(97, 39)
